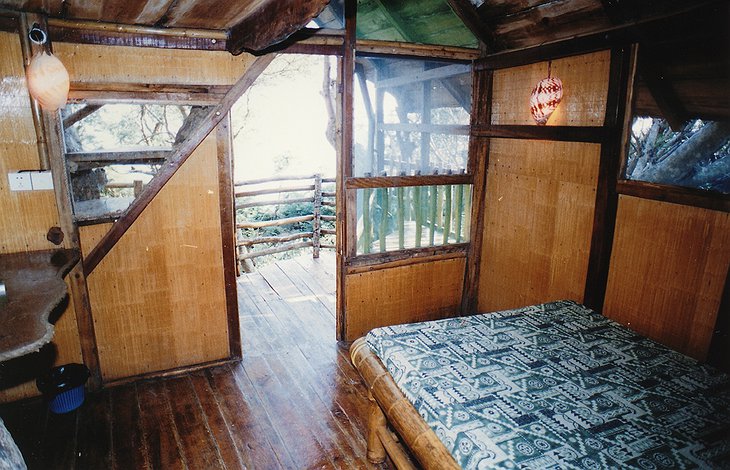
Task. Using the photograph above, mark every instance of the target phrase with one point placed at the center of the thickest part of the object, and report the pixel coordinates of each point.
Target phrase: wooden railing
(426, 215)
(280, 193)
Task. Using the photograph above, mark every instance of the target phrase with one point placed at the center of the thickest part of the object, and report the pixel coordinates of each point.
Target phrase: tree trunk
(681, 164)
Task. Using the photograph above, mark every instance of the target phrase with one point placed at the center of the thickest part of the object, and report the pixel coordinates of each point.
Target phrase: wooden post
(447, 213)
(459, 205)
(433, 209)
(366, 221)
(418, 209)
(317, 212)
(138, 186)
(383, 218)
(401, 216)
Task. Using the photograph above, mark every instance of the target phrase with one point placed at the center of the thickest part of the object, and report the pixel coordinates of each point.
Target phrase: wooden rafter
(273, 22)
(469, 15)
(80, 114)
(176, 160)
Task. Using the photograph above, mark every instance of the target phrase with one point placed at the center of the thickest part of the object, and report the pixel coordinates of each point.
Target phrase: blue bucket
(63, 387)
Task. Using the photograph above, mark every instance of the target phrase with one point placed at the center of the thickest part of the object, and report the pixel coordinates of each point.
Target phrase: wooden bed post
(376, 421)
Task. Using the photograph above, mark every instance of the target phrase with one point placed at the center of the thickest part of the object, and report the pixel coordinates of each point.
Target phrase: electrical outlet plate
(20, 181)
(41, 180)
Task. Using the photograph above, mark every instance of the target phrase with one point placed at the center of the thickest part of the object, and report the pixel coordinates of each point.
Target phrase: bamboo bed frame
(388, 405)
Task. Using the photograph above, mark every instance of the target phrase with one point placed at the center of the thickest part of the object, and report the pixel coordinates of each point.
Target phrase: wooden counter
(34, 286)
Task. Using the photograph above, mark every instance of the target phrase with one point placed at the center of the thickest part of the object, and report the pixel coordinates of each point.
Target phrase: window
(411, 120)
(114, 150)
(697, 155)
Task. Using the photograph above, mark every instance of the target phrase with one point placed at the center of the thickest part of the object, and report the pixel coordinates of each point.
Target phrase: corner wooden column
(228, 230)
(478, 162)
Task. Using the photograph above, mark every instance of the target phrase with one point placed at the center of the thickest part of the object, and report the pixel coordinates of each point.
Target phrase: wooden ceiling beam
(273, 22)
(469, 15)
(176, 160)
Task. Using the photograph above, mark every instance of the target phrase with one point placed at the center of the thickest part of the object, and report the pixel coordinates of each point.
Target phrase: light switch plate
(20, 181)
(41, 180)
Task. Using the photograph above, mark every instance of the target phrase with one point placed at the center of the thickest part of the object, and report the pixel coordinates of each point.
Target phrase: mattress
(558, 386)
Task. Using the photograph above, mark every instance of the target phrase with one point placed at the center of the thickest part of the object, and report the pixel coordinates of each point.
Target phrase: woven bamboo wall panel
(668, 268)
(417, 292)
(158, 298)
(538, 222)
(27, 215)
(585, 88)
(121, 64)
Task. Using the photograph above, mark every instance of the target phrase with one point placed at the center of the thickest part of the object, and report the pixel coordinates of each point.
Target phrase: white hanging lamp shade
(48, 80)
(545, 98)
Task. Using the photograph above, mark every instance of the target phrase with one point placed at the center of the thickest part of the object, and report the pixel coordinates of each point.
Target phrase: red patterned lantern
(545, 98)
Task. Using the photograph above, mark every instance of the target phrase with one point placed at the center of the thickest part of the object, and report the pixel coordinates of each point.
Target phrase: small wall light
(48, 80)
(545, 97)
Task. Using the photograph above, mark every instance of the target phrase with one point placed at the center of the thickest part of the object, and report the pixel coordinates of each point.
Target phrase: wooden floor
(295, 401)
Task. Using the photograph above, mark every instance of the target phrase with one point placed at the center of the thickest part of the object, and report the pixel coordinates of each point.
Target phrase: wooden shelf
(34, 287)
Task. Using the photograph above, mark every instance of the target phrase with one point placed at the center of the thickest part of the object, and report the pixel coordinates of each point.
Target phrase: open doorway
(284, 133)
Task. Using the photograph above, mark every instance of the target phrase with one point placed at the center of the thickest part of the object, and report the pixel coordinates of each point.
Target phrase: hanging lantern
(48, 80)
(545, 98)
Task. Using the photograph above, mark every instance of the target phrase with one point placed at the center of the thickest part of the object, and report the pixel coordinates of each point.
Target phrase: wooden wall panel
(585, 87)
(668, 268)
(26, 216)
(158, 298)
(416, 292)
(116, 64)
(538, 221)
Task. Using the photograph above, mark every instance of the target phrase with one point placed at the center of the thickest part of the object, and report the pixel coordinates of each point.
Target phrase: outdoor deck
(295, 401)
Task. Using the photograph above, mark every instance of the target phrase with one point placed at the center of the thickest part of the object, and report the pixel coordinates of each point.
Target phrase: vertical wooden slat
(346, 199)
(418, 209)
(433, 211)
(478, 160)
(604, 218)
(384, 208)
(459, 209)
(317, 212)
(367, 227)
(224, 149)
(401, 217)
(447, 213)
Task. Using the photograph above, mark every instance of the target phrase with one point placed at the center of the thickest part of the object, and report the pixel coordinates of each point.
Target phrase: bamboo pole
(418, 210)
(401, 218)
(383, 218)
(459, 204)
(366, 221)
(467, 212)
(432, 207)
(447, 213)
(284, 239)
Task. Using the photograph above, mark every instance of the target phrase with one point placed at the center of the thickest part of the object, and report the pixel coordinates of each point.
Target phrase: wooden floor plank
(94, 437)
(256, 439)
(196, 439)
(217, 423)
(128, 445)
(295, 401)
(160, 434)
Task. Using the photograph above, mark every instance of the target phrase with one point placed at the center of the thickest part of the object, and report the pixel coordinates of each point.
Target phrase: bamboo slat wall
(416, 292)
(104, 64)
(538, 222)
(26, 215)
(668, 268)
(158, 298)
(585, 85)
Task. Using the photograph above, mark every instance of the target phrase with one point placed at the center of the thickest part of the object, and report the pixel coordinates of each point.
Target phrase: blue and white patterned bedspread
(558, 386)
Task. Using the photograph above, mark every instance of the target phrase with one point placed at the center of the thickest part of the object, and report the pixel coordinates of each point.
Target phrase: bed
(547, 386)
